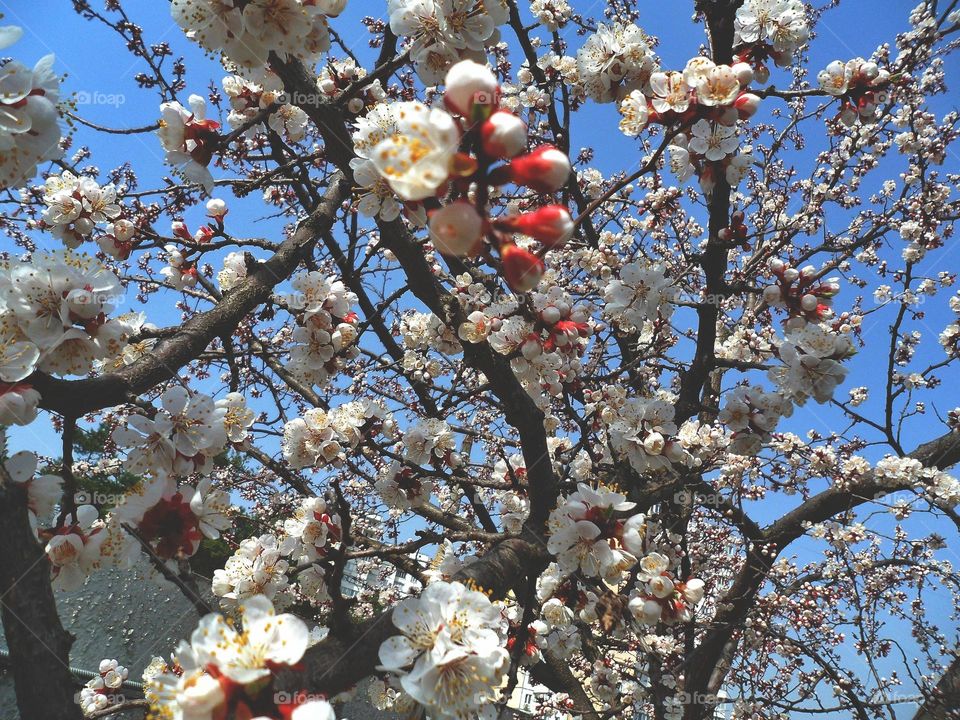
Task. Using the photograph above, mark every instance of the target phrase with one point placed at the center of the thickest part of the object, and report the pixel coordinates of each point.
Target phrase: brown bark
(39, 646)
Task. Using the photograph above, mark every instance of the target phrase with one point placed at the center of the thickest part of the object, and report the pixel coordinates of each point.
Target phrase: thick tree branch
(39, 646)
(78, 397)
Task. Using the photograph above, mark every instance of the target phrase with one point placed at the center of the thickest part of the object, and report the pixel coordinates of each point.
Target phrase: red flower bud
(551, 225)
(747, 105)
(503, 135)
(521, 268)
(546, 169)
(180, 230)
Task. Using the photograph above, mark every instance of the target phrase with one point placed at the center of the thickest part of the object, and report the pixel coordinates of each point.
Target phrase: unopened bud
(521, 268)
(503, 135)
(550, 225)
(456, 229)
(546, 169)
(744, 73)
(471, 87)
(747, 105)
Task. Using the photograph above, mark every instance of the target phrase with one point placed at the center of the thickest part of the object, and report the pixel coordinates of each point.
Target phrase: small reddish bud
(546, 169)
(521, 268)
(179, 229)
(550, 225)
(503, 135)
(746, 105)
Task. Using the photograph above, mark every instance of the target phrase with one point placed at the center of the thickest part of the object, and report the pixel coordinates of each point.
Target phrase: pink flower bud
(179, 229)
(551, 225)
(521, 268)
(503, 135)
(791, 274)
(471, 88)
(203, 235)
(809, 302)
(776, 265)
(456, 229)
(747, 105)
(744, 73)
(546, 169)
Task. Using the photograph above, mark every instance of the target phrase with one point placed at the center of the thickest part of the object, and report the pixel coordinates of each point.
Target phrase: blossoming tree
(620, 404)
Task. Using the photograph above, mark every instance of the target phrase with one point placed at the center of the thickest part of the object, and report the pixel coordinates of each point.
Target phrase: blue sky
(101, 74)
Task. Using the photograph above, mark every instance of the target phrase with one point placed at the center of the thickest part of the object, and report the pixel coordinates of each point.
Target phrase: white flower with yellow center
(416, 162)
(266, 640)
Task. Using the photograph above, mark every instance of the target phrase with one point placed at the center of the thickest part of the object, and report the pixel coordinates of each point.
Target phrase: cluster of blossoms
(641, 429)
(225, 671)
(861, 85)
(812, 362)
(545, 346)
(442, 32)
(552, 14)
(101, 690)
(249, 99)
(752, 413)
(899, 472)
(769, 29)
(950, 337)
(592, 531)
(53, 318)
(75, 206)
(180, 271)
(259, 566)
(337, 75)
(642, 294)
(804, 296)
(661, 597)
(449, 655)
(415, 149)
(247, 31)
(171, 519)
(316, 528)
(184, 434)
(400, 487)
(320, 438)
(430, 441)
(29, 120)
(615, 61)
(189, 139)
(706, 101)
(326, 327)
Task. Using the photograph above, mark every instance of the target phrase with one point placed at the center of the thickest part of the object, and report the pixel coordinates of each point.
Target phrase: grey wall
(132, 618)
